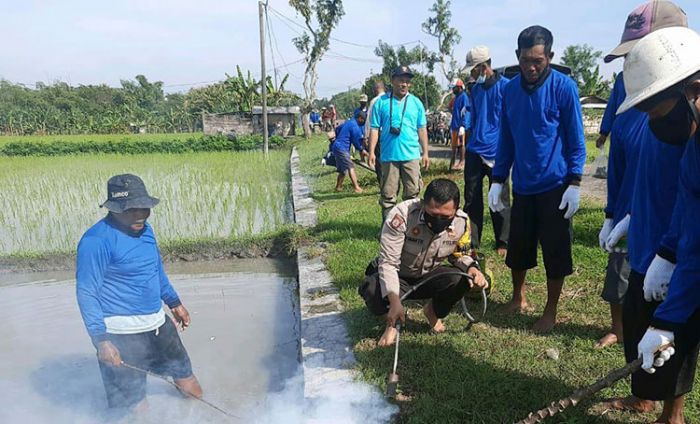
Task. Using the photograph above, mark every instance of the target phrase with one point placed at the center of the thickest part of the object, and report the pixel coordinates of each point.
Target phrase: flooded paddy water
(243, 342)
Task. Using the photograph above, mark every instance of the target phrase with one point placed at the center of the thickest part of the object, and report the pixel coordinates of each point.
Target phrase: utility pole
(263, 75)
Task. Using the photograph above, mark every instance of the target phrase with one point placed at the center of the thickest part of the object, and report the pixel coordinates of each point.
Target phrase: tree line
(136, 105)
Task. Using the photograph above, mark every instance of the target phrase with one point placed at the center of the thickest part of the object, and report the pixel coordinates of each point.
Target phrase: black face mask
(437, 225)
(675, 127)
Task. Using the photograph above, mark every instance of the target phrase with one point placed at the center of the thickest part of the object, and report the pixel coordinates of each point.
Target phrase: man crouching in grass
(417, 237)
(121, 287)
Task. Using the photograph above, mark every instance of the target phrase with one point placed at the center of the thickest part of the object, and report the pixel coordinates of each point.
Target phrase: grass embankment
(498, 371)
(132, 144)
(236, 201)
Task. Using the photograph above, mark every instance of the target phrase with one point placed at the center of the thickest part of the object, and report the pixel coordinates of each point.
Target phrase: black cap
(402, 71)
(127, 191)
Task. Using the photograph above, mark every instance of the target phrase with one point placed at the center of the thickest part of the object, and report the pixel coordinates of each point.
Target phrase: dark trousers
(378, 165)
(474, 172)
(444, 291)
(676, 377)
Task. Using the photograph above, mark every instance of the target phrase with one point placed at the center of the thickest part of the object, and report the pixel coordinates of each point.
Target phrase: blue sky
(185, 43)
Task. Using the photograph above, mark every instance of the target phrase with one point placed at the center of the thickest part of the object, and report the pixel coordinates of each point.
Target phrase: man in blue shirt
(315, 119)
(487, 106)
(460, 124)
(662, 78)
(349, 134)
(404, 140)
(542, 139)
(121, 287)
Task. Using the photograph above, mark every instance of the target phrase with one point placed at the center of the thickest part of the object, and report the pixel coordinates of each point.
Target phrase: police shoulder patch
(415, 231)
(397, 222)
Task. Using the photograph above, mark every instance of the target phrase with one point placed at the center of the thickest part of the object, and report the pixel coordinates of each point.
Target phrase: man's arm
(390, 247)
(571, 117)
(505, 151)
(421, 124)
(92, 261)
(167, 291)
(617, 163)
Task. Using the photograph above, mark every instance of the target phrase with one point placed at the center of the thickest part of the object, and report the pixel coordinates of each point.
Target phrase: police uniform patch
(396, 222)
(415, 231)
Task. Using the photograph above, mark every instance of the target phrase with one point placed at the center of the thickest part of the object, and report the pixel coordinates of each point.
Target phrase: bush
(132, 146)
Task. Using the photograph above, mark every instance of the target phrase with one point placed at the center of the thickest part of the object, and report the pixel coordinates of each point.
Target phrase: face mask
(674, 128)
(481, 79)
(436, 225)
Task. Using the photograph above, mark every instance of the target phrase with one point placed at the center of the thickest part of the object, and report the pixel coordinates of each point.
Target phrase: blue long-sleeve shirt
(682, 243)
(541, 135)
(486, 110)
(348, 134)
(617, 96)
(119, 275)
(461, 111)
(625, 134)
(653, 198)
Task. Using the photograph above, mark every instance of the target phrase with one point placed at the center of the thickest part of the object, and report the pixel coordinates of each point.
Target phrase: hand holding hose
(478, 279)
(396, 311)
(108, 353)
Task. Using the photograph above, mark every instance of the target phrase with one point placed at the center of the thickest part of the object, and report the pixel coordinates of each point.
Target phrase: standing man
(487, 106)
(542, 139)
(400, 118)
(362, 107)
(416, 240)
(662, 77)
(349, 134)
(460, 124)
(378, 93)
(121, 287)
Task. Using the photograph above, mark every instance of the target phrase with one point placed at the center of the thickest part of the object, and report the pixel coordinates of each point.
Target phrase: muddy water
(243, 342)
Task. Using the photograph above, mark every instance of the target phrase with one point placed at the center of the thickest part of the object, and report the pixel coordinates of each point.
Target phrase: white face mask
(481, 79)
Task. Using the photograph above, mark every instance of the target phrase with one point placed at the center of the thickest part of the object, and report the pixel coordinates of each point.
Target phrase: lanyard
(391, 109)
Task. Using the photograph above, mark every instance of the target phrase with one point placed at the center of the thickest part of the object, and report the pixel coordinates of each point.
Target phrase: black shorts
(444, 292)
(159, 351)
(343, 162)
(616, 278)
(676, 377)
(537, 218)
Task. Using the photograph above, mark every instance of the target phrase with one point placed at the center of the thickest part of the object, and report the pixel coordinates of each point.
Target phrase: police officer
(417, 237)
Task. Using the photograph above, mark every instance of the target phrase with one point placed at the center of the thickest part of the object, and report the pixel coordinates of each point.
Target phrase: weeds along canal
(243, 343)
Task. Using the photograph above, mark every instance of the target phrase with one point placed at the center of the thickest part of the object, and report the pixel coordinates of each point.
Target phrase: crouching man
(417, 237)
(121, 287)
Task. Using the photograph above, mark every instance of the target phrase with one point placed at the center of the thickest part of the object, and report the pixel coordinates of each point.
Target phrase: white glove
(570, 200)
(461, 131)
(605, 232)
(617, 233)
(653, 340)
(495, 202)
(657, 279)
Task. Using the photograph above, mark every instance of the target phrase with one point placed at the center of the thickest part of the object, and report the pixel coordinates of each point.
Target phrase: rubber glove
(617, 233)
(657, 279)
(570, 201)
(461, 131)
(653, 341)
(495, 202)
(605, 232)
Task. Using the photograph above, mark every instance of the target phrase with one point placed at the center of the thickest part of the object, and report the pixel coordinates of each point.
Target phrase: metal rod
(396, 348)
(172, 383)
(263, 75)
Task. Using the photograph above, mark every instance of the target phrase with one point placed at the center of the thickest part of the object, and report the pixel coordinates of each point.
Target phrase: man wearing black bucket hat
(121, 287)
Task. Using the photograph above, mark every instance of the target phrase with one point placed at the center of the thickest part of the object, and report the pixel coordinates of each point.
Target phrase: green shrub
(134, 146)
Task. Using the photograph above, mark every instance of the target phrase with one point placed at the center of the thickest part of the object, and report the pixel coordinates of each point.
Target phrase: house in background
(281, 121)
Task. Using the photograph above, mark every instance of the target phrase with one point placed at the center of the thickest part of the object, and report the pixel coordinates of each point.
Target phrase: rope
(172, 383)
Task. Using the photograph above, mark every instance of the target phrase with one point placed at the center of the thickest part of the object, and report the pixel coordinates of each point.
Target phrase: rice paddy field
(5, 139)
(48, 202)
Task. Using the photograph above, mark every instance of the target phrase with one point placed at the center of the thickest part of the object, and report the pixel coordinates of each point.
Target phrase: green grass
(98, 138)
(497, 372)
(48, 202)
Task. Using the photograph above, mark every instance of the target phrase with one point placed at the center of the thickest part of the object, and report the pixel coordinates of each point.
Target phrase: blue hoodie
(626, 131)
(461, 110)
(119, 275)
(541, 135)
(682, 242)
(487, 106)
(349, 133)
(653, 198)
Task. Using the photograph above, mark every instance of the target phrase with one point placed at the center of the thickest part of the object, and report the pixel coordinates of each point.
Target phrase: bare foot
(358, 190)
(544, 324)
(607, 340)
(516, 306)
(388, 338)
(502, 252)
(630, 403)
(435, 323)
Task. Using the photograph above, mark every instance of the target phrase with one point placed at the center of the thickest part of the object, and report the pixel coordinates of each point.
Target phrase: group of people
(528, 129)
